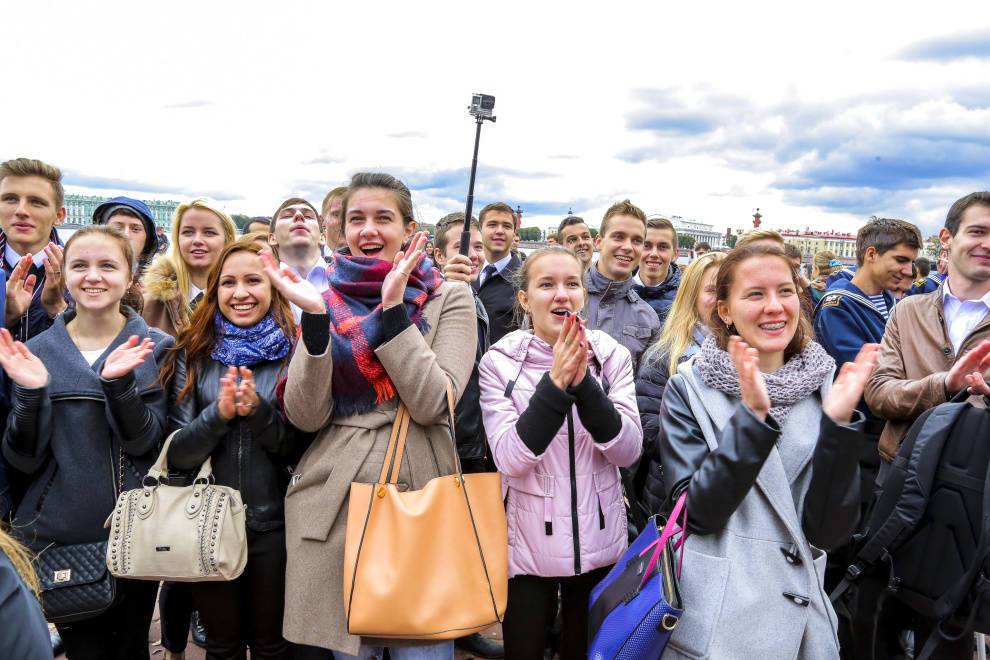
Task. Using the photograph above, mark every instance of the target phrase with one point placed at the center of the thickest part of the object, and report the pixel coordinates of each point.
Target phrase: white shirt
(961, 316)
(12, 257)
(499, 267)
(194, 291)
(92, 356)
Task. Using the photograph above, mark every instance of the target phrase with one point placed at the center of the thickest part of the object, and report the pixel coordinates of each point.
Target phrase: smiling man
(495, 285)
(31, 206)
(296, 230)
(613, 305)
(574, 234)
(658, 276)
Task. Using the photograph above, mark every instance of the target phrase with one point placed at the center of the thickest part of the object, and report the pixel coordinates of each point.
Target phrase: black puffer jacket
(661, 296)
(251, 454)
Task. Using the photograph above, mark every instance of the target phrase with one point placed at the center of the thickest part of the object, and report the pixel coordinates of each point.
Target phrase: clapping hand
(751, 383)
(847, 389)
(237, 398)
(126, 357)
(51, 293)
(247, 395)
(20, 289)
(570, 354)
(295, 289)
(969, 369)
(227, 400)
(23, 366)
(404, 263)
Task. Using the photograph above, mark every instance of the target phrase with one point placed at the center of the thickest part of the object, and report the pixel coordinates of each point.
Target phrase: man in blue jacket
(854, 312)
(927, 280)
(658, 276)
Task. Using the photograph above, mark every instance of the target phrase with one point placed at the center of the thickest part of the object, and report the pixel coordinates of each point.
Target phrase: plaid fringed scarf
(354, 303)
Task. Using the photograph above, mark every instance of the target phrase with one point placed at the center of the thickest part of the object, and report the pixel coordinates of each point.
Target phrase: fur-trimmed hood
(160, 280)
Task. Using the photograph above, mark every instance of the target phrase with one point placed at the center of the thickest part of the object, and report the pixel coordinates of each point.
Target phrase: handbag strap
(669, 530)
(397, 441)
(161, 465)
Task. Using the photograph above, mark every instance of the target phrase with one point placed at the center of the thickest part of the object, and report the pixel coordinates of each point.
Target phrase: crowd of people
(598, 376)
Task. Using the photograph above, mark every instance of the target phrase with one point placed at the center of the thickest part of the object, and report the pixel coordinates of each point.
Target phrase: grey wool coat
(753, 588)
(353, 449)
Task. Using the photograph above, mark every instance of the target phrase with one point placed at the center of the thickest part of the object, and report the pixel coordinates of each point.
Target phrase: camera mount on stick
(481, 108)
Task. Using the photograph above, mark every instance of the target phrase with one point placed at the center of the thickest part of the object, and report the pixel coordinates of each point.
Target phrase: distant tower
(569, 211)
(756, 219)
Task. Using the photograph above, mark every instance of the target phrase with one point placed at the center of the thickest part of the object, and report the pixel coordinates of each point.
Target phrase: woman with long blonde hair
(25, 633)
(683, 333)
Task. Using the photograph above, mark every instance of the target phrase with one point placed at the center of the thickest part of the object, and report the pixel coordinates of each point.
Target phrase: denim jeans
(438, 651)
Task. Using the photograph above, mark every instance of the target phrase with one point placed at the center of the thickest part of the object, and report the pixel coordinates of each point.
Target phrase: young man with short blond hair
(613, 305)
(658, 276)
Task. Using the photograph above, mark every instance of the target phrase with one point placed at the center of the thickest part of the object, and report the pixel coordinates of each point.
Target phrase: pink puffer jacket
(540, 489)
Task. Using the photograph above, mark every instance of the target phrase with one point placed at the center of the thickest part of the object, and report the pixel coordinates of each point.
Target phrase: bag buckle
(64, 575)
(854, 571)
(668, 622)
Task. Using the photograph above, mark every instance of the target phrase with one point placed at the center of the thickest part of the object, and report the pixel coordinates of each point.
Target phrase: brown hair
(403, 198)
(522, 276)
(792, 251)
(723, 284)
(499, 207)
(885, 234)
(759, 235)
(196, 341)
(336, 193)
(445, 223)
(625, 207)
(662, 223)
(954, 218)
(293, 201)
(32, 167)
(126, 249)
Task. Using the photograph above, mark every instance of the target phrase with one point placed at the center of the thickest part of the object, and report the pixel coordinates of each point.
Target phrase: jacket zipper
(575, 531)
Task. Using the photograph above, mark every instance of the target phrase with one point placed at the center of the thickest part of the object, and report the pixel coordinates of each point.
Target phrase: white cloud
(257, 101)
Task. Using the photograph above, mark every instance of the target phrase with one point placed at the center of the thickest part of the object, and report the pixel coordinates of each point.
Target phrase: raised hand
(23, 366)
(247, 395)
(51, 294)
(295, 289)
(581, 366)
(20, 289)
(404, 263)
(566, 353)
(751, 383)
(227, 400)
(975, 361)
(458, 269)
(847, 389)
(126, 357)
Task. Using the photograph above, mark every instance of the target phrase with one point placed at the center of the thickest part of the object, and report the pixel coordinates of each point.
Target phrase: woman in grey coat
(756, 432)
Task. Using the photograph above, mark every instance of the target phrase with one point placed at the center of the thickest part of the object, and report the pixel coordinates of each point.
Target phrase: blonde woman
(25, 631)
(682, 336)
(821, 269)
(175, 280)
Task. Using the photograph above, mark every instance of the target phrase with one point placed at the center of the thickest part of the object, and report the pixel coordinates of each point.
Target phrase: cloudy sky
(820, 114)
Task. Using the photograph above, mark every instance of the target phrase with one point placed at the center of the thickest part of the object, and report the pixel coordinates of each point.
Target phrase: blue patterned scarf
(244, 347)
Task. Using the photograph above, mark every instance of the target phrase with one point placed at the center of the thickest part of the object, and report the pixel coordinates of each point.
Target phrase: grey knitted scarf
(801, 376)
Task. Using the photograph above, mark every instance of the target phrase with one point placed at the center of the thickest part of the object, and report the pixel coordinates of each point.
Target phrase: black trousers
(247, 612)
(120, 633)
(529, 614)
(175, 608)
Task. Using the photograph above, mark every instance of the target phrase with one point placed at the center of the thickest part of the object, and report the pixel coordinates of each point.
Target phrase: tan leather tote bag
(184, 534)
(425, 564)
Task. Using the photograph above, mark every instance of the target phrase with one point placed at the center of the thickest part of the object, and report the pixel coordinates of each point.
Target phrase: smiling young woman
(87, 413)
(222, 378)
(766, 446)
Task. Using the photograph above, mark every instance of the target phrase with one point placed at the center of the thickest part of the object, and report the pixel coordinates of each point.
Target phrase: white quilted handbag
(183, 534)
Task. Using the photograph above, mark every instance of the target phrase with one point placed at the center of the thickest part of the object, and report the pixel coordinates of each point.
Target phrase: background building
(79, 209)
(811, 242)
(699, 231)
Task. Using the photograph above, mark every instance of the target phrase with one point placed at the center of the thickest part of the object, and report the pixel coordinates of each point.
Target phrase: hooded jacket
(559, 453)
(163, 306)
(104, 211)
(69, 436)
(661, 296)
(617, 310)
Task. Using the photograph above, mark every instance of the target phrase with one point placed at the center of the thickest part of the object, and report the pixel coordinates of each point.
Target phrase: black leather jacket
(251, 454)
(718, 481)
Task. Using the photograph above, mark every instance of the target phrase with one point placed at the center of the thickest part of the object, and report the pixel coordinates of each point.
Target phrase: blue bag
(635, 609)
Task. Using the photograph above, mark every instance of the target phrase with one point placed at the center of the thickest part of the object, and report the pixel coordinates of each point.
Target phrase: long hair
(112, 234)
(197, 340)
(21, 560)
(678, 329)
(723, 284)
(181, 269)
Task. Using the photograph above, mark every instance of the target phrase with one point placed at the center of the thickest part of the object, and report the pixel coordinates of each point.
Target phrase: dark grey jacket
(25, 633)
(617, 310)
(67, 437)
(251, 454)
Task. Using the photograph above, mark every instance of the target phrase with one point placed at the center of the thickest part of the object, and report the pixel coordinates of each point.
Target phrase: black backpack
(929, 532)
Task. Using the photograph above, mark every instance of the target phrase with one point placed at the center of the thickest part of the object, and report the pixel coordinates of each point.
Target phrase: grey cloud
(200, 103)
(947, 48)
(73, 178)
(401, 135)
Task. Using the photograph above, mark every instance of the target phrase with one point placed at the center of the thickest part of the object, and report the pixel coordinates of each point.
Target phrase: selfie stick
(481, 108)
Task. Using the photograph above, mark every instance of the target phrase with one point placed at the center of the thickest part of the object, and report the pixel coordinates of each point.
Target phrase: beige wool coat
(353, 449)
